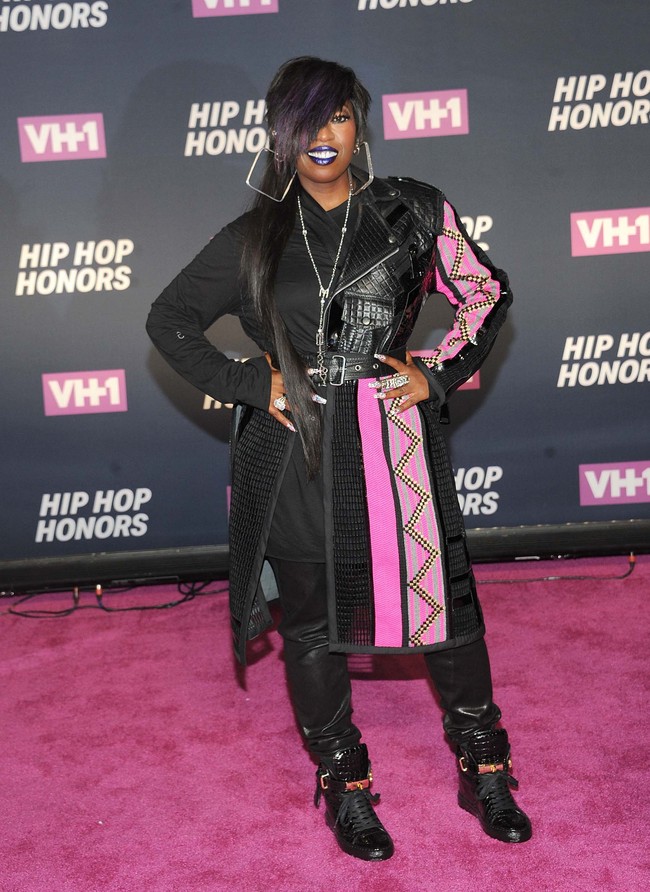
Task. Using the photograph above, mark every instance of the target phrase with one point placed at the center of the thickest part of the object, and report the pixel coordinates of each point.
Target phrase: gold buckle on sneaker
(349, 785)
(358, 785)
(491, 768)
(486, 768)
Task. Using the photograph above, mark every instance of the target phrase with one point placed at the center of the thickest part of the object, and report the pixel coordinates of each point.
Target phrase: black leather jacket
(389, 271)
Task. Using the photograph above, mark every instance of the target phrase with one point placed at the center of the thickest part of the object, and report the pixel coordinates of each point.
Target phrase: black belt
(343, 367)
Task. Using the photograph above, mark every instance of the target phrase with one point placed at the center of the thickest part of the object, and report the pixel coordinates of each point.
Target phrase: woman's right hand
(277, 393)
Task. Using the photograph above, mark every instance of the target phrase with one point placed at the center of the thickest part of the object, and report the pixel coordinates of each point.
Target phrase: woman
(340, 474)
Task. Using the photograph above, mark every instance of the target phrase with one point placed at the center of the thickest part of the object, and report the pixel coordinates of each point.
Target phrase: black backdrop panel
(126, 137)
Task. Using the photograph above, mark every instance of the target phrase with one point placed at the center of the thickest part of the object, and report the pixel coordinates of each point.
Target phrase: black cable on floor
(188, 592)
(631, 559)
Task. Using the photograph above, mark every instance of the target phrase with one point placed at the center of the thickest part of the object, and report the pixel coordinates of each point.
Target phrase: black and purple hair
(303, 96)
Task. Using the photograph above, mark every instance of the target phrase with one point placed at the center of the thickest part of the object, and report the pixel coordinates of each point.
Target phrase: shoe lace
(356, 811)
(495, 790)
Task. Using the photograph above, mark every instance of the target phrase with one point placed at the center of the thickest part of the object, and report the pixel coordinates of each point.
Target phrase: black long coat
(399, 576)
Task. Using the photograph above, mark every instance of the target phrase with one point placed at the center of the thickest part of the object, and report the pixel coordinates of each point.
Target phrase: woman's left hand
(412, 391)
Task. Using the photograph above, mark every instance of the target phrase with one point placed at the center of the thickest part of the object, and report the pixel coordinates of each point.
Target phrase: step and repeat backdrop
(127, 130)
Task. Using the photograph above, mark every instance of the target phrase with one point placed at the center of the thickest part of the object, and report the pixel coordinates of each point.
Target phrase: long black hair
(302, 97)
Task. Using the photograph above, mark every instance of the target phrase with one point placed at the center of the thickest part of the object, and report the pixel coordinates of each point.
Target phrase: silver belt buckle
(337, 374)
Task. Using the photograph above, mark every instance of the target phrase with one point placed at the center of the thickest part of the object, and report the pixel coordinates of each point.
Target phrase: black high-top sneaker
(344, 780)
(484, 772)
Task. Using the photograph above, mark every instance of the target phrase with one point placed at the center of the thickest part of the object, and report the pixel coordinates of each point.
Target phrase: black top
(297, 532)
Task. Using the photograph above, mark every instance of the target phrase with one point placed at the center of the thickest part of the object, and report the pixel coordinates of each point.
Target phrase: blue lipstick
(323, 155)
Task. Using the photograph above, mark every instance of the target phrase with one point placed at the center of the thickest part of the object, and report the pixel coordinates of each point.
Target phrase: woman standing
(340, 474)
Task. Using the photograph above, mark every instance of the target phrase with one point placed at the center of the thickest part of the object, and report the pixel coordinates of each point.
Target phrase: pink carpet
(136, 756)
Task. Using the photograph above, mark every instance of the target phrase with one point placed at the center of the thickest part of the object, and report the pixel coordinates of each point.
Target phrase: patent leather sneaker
(485, 781)
(343, 780)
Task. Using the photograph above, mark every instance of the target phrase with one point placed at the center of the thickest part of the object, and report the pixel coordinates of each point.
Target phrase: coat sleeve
(480, 296)
(205, 290)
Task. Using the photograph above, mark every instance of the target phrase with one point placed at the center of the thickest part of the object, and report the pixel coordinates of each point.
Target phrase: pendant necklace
(324, 292)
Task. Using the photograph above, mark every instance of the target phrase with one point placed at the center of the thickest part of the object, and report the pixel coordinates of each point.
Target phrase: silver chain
(323, 292)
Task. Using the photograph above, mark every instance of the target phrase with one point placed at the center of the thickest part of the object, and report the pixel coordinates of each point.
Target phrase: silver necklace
(323, 292)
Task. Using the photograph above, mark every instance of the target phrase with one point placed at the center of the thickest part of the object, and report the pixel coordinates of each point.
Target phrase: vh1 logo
(84, 393)
(62, 137)
(412, 115)
(615, 483)
(204, 8)
(610, 232)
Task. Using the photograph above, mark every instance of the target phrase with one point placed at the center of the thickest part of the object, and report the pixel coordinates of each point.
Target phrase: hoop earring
(261, 191)
(371, 174)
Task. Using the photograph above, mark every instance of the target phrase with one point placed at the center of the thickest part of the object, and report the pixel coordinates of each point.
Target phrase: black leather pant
(320, 684)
